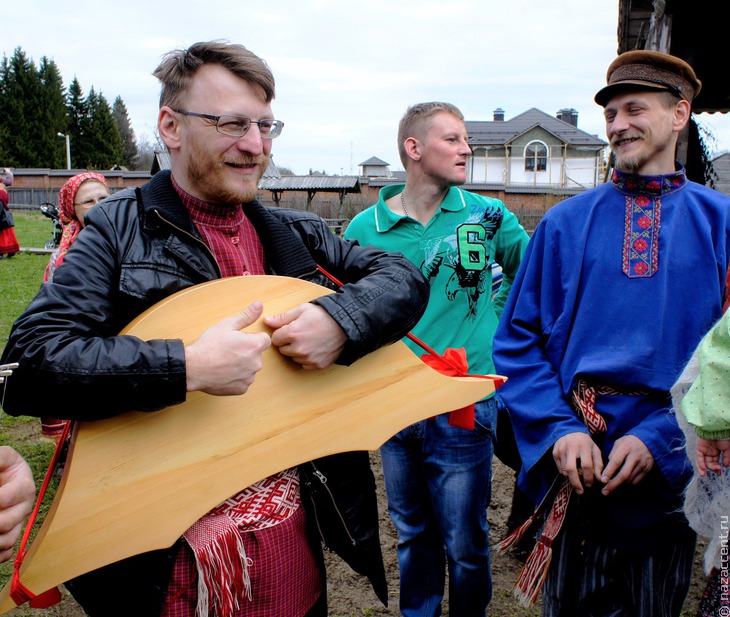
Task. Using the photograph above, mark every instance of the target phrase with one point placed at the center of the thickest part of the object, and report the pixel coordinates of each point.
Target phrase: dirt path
(351, 596)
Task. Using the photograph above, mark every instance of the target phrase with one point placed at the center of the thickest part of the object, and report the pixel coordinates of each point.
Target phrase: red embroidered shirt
(228, 233)
(285, 578)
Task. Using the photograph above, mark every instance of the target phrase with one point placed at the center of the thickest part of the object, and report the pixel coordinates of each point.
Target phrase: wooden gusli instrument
(138, 481)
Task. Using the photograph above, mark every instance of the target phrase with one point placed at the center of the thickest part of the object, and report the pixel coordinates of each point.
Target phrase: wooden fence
(529, 218)
(32, 198)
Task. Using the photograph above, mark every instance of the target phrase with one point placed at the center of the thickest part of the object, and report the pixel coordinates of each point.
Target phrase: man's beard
(208, 173)
(634, 163)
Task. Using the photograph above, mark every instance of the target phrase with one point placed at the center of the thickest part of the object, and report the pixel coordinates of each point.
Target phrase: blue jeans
(438, 483)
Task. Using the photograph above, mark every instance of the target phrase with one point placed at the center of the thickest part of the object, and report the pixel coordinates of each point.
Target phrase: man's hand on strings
(224, 360)
(579, 459)
(308, 335)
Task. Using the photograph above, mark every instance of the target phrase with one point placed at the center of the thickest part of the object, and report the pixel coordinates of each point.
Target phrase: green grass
(20, 279)
(21, 276)
(32, 228)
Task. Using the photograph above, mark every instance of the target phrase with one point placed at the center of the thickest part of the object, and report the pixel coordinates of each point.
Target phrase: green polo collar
(386, 219)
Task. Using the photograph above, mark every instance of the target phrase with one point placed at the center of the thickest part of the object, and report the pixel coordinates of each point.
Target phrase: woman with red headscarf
(8, 240)
(78, 195)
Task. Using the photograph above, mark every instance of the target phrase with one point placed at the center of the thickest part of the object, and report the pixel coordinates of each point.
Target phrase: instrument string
(6, 370)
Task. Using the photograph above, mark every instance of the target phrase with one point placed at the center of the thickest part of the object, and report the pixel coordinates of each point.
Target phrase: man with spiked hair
(438, 472)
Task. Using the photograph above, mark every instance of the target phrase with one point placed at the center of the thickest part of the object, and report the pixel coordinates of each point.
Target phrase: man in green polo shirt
(438, 472)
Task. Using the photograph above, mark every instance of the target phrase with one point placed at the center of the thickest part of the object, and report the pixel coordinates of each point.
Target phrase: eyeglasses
(92, 201)
(237, 126)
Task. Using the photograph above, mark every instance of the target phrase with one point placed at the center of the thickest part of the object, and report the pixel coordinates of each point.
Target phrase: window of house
(536, 156)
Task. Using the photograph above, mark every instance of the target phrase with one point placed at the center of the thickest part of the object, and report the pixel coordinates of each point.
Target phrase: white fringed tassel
(222, 565)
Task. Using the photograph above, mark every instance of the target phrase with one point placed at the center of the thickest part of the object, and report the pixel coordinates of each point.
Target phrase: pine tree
(24, 132)
(102, 137)
(35, 108)
(126, 132)
(52, 113)
(5, 128)
(77, 115)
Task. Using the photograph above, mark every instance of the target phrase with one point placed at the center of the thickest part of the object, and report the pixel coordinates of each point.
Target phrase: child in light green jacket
(707, 404)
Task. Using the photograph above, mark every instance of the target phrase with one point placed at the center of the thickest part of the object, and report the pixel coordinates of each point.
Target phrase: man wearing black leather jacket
(201, 222)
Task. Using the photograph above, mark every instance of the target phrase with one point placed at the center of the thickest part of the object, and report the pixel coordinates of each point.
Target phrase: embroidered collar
(642, 218)
(631, 184)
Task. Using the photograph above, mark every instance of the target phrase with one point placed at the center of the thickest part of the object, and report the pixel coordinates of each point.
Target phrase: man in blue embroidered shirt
(615, 291)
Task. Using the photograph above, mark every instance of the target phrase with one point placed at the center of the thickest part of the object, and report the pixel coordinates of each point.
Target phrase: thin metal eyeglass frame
(276, 125)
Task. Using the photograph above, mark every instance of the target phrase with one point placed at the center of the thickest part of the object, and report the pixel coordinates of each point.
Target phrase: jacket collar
(285, 252)
(159, 196)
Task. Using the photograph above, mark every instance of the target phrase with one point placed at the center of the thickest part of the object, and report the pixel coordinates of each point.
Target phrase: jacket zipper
(323, 481)
(192, 237)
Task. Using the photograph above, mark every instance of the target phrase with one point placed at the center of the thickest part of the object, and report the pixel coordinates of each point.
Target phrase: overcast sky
(345, 71)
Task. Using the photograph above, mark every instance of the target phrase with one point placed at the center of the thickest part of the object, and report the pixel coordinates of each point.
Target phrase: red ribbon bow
(453, 363)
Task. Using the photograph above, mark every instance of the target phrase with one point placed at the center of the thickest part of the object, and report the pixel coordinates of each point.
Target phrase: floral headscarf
(69, 221)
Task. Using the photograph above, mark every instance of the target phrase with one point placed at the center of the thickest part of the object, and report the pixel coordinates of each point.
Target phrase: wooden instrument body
(136, 482)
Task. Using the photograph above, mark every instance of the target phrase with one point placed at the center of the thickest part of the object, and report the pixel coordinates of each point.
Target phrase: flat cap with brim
(649, 70)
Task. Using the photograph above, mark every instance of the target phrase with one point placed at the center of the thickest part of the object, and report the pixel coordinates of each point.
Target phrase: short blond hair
(416, 122)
